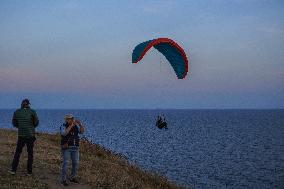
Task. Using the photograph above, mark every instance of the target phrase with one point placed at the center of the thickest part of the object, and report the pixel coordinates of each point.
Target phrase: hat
(68, 116)
(26, 101)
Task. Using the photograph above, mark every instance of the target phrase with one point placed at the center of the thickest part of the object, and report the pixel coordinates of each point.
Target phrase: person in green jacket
(25, 120)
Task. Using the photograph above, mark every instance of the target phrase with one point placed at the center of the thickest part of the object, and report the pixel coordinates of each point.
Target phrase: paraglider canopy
(170, 49)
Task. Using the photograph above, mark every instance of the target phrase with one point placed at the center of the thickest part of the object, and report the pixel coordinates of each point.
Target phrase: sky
(77, 54)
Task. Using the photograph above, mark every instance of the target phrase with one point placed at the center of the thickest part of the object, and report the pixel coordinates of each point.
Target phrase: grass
(98, 168)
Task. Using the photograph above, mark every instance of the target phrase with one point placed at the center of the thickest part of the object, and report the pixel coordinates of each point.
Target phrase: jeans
(20, 144)
(73, 153)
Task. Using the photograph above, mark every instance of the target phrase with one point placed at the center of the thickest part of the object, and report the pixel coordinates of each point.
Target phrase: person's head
(25, 103)
(69, 119)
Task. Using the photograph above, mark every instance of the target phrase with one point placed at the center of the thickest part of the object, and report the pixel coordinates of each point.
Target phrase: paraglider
(170, 49)
(161, 122)
(175, 56)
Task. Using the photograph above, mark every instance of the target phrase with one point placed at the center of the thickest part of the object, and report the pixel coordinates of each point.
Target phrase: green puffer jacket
(25, 119)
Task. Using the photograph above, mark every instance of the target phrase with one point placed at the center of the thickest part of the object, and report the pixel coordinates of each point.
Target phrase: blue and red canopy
(170, 49)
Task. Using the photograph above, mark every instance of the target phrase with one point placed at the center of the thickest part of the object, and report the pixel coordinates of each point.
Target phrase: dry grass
(98, 168)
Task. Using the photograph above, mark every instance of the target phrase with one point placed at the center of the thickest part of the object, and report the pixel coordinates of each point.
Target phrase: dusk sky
(77, 54)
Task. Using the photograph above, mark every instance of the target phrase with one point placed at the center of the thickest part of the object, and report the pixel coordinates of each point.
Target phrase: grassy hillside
(99, 167)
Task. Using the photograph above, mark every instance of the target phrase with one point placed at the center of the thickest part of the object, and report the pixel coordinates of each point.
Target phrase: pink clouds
(14, 79)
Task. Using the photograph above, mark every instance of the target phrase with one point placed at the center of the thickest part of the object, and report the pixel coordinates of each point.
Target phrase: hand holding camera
(77, 122)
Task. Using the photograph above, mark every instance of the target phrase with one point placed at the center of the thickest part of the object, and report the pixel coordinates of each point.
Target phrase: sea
(201, 148)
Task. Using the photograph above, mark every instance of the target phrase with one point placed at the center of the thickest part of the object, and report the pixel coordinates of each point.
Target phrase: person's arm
(82, 128)
(35, 119)
(15, 121)
(66, 130)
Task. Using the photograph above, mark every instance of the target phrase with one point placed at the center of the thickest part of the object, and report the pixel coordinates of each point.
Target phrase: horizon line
(149, 108)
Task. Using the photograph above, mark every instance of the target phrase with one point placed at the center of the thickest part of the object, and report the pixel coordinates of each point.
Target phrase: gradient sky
(77, 54)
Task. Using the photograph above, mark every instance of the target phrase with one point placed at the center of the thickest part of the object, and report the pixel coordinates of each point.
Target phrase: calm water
(201, 148)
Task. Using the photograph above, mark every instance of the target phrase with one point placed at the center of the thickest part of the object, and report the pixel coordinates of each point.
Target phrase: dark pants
(20, 144)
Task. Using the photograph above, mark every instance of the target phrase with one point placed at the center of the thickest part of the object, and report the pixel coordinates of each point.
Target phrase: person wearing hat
(25, 120)
(70, 131)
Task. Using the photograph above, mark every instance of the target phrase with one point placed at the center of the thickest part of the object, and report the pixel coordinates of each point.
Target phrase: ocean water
(201, 148)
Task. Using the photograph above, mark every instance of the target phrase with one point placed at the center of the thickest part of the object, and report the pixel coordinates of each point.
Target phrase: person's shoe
(64, 183)
(12, 172)
(29, 173)
(73, 180)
